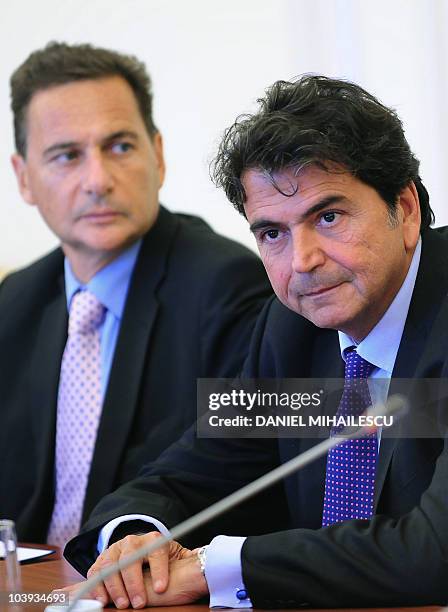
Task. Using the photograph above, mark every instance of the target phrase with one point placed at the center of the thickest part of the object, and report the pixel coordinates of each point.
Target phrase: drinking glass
(10, 577)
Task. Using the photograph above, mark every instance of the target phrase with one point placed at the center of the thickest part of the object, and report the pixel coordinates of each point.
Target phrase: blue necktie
(351, 466)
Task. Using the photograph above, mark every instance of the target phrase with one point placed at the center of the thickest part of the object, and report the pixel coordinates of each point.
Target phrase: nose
(97, 179)
(308, 253)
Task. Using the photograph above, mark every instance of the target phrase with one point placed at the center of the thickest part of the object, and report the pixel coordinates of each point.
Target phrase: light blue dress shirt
(223, 570)
(110, 285)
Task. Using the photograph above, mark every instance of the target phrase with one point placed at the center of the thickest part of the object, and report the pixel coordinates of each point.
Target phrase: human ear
(157, 142)
(408, 207)
(20, 167)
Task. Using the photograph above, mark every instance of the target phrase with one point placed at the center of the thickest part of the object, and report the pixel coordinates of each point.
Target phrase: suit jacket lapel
(428, 296)
(305, 489)
(121, 397)
(43, 386)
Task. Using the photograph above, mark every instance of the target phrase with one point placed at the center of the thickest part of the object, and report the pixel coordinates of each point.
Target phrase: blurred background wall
(210, 60)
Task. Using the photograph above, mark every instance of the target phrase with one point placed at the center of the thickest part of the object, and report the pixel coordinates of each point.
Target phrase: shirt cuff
(108, 529)
(224, 575)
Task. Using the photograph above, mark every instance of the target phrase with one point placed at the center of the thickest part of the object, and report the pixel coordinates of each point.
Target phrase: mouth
(101, 216)
(322, 291)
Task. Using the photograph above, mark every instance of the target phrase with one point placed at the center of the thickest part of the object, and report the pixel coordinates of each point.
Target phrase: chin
(323, 323)
(330, 321)
(112, 242)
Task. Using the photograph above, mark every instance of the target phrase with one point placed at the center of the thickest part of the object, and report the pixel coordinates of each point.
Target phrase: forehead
(79, 109)
(289, 192)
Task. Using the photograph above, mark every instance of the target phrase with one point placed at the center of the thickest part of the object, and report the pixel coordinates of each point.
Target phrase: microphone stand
(396, 405)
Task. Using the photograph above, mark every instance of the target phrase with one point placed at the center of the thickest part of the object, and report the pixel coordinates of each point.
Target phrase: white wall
(210, 60)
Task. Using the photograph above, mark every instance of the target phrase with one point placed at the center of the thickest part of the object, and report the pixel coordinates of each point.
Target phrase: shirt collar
(373, 348)
(110, 284)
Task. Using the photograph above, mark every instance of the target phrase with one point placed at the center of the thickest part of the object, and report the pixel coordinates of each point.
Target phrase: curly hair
(316, 120)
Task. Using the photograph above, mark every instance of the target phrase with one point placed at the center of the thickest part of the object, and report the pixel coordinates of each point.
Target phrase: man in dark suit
(178, 301)
(332, 192)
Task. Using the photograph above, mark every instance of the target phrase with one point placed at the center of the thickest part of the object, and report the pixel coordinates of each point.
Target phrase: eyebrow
(316, 208)
(69, 144)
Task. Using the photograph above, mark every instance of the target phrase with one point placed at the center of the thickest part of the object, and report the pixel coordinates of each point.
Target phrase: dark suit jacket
(399, 557)
(189, 313)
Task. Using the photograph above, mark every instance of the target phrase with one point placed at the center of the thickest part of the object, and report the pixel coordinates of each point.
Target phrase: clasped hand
(173, 577)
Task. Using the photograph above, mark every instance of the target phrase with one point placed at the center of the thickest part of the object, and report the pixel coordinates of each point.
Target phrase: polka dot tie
(78, 415)
(350, 478)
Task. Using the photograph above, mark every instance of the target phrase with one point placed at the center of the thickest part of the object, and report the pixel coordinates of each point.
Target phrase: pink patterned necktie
(351, 466)
(78, 415)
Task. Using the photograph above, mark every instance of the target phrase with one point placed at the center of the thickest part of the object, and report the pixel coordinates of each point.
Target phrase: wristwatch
(202, 556)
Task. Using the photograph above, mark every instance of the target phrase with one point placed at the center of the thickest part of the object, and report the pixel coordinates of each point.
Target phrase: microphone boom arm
(396, 405)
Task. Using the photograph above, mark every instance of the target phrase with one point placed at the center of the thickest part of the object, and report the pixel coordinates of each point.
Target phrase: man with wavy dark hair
(331, 191)
(318, 121)
(102, 340)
